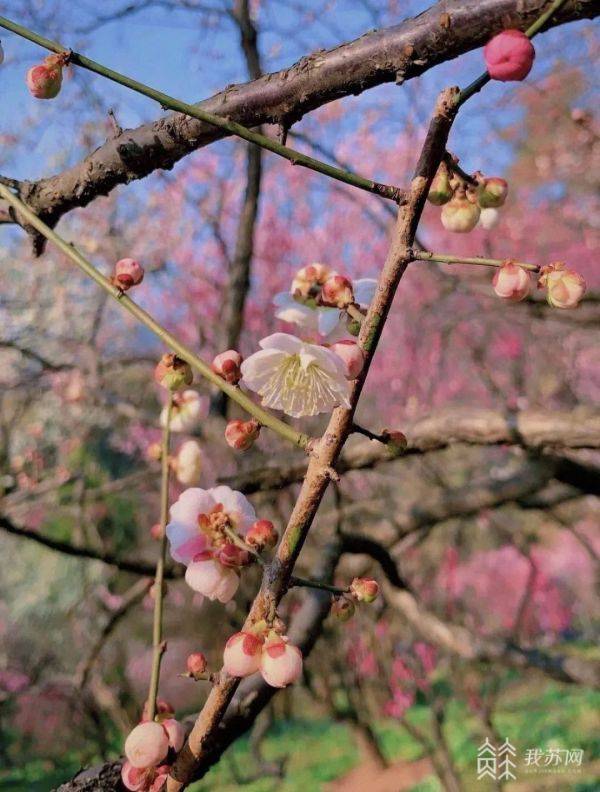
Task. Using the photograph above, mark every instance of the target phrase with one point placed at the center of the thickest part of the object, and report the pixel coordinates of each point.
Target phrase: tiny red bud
(241, 434)
(157, 532)
(227, 365)
(196, 664)
(337, 291)
(173, 373)
(509, 56)
(262, 534)
(127, 273)
(364, 589)
(342, 609)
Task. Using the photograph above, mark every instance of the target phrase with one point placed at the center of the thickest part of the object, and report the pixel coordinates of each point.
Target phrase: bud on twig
(173, 373)
(127, 273)
(44, 81)
(352, 356)
(227, 365)
(364, 589)
(460, 215)
(261, 535)
(241, 434)
(511, 282)
(196, 664)
(440, 191)
(509, 56)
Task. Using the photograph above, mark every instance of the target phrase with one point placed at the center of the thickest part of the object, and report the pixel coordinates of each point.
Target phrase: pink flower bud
(262, 534)
(175, 733)
(440, 191)
(227, 365)
(127, 273)
(509, 56)
(492, 192)
(44, 81)
(147, 745)
(352, 356)
(188, 463)
(133, 778)
(210, 578)
(242, 654)
(232, 556)
(337, 291)
(342, 609)
(196, 664)
(173, 373)
(308, 281)
(364, 589)
(241, 434)
(280, 663)
(156, 531)
(460, 215)
(565, 286)
(511, 282)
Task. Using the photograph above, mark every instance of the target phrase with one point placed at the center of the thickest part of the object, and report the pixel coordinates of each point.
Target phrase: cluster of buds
(228, 366)
(465, 203)
(241, 435)
(265, 650)
(127, 273)
(509, 56)
(173, 373)
(44, 81)
(150, 749)
(360, 590)
(317, 285)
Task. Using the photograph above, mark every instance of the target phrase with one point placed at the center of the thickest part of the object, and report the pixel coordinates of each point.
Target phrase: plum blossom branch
(447, 258)
(263, 417)
(158, 646)
(194, 111)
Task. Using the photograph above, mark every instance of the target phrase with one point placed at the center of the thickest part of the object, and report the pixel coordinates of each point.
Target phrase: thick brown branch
(397, 53)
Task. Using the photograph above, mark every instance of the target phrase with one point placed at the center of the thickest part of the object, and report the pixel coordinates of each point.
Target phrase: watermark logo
(499, 762)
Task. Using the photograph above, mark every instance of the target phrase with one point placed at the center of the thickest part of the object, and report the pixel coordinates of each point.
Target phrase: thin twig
(447, 258)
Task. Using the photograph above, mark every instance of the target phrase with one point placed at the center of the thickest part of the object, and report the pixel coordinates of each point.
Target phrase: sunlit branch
(447, 258)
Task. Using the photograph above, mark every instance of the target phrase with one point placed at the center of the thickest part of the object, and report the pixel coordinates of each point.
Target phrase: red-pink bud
(241, 434)
(280, 663)
(157, 531)
(231, 555)
(511, 282)
(364, 589)
(565, 286)
(227, 365)
(352, 356)
(337, 291)
(262, 534)
(460, 215)
(342, 609)
(44, 81)
(127, 273)
(196, 664)
(242, 654)
(173, 373)
(509, 56)
(492, 192)
(147, 744)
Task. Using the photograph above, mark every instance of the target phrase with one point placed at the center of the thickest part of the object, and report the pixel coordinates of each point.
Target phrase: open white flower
(296, 377)
(320, 319)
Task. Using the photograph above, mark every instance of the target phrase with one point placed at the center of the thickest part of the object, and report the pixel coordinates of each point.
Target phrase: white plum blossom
(320, 319)
(188, 463)
(199, 516)
(187, 411)
(299, 378)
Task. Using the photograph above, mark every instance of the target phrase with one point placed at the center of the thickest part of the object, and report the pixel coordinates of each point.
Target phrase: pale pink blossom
(511, 282)
(175, 733)
(352, 356)
(337, 291)
(280, 663)
(213, 580)
(509, 56)
(242, 654)
(564, 286)
(147, 744)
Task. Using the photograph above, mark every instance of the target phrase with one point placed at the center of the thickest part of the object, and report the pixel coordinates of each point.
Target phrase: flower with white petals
(188, 463)
(325, 321)
(299, 378)
(201, 518)
(187, 411)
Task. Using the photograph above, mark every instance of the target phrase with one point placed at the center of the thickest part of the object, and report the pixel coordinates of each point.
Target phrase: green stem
(158, 647)
(306, 583)
(265, 418)
(355, 313)
(166, 101)
(531, 31)
(446, 258)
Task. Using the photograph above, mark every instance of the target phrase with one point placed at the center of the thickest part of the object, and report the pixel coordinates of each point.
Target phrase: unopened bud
(395, 441)
(488, 218)
(242, 654)
(342, 609)
(127, 273)
(440, 191)
(509, 56)
(364, 589)
(44, 81)
(241, 434)
(154, 452)
(351, 355)
(262, 534)
(173, 373)
(281, 662)
(196, 664)
(157, 532)
(511, 282)
(492, 192)
(565, 287)
(227, 365)
(460, 215)
(230, 555)
(337, 292)
(308, 281)
(147, 744)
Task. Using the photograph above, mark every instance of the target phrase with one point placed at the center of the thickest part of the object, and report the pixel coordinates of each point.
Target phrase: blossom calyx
(261, 535)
